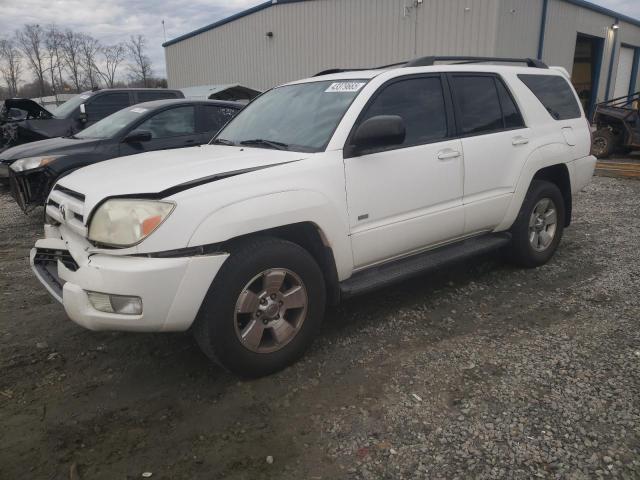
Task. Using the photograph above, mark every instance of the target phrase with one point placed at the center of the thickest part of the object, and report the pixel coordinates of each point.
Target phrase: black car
(79, 112)
(160, 125)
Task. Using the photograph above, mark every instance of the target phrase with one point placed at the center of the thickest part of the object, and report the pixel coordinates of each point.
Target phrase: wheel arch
(304, 217)
(311, 238)
(559, 175)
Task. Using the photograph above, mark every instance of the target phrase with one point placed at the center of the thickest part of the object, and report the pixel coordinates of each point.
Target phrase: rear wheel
(263, 309)
(603, 142)
(538, 228)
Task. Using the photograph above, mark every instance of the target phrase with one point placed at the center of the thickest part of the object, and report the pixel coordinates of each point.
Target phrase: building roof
(270, 3)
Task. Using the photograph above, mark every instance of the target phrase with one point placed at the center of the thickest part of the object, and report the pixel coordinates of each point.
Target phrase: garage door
(623, 75)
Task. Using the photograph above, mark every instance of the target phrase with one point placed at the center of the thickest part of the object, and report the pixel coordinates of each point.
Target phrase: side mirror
(379, 131)
(138, 136)
(83, 114)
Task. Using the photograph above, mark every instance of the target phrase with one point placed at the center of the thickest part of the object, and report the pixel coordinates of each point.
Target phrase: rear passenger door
(495, 143)
(404, 198)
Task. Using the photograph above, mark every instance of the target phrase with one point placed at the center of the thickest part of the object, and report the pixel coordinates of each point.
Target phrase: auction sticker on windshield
(340, 87)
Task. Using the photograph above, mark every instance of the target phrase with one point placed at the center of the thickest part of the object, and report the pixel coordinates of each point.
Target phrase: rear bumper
(581, 172)
(171, 289)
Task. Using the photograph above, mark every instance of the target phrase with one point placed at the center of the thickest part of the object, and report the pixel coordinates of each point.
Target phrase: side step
(404, 268)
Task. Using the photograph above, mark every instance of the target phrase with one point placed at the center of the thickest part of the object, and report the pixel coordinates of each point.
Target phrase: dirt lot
(482, 371)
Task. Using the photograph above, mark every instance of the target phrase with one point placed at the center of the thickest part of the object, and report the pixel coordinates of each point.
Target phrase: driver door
(171, 128)
(407, 197)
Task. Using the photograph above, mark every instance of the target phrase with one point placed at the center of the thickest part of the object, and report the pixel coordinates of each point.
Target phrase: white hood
(153, 172)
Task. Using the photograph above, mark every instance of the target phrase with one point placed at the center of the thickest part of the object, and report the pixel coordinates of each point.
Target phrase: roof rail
(361, 69)
(431, 60)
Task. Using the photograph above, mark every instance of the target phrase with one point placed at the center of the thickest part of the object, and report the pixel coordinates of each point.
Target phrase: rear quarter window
(555, 94)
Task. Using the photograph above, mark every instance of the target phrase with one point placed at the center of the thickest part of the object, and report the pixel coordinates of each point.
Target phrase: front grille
(45, 261)
(66, 207)
(28, 189)
(49, 255)
(71, 193)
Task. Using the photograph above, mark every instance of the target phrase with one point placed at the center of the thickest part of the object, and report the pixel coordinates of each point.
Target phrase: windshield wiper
(266, 143)
(223, 141)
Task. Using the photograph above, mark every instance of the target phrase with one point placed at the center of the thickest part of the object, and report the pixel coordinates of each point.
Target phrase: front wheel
(263, 309)
(538, 228)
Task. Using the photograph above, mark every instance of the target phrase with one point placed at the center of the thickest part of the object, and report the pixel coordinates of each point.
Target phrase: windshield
(111, 125)
(70, 105)
(298, 117)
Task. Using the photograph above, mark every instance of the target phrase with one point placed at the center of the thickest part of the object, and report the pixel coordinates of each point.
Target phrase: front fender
(544, 156)
(278, 209)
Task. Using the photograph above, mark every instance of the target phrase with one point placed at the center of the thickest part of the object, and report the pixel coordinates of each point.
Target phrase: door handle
(519, 140)
(448, 153)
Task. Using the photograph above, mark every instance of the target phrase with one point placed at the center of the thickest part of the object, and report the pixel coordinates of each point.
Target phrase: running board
(404, 268)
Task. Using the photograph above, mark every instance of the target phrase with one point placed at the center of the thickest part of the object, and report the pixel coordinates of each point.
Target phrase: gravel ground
(481, 371)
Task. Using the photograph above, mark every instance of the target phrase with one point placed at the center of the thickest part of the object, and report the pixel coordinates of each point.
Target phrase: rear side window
(420, 103)
(478, 104)
(217, 117)
(174, 122)
(555, 94)
(510, 113)
(150, 96)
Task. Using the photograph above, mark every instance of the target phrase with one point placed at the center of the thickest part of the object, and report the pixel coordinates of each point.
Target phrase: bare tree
(140, 68)
(89, 48)
(31, 40)
(112, 57)
(53, 46)
(11, 66)
(71, 53)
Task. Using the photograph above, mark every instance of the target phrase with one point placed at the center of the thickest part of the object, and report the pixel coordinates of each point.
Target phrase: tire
(530, 247)
(602, 144)
(251, 339)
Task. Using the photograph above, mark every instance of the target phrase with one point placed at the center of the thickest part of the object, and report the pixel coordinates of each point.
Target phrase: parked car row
(34, 167)
(318, 190)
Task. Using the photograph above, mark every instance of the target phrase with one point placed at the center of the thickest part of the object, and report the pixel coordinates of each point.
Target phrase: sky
(113, 21)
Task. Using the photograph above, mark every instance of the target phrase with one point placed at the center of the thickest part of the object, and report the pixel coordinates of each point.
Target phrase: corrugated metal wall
(315, 35)
(318, 34)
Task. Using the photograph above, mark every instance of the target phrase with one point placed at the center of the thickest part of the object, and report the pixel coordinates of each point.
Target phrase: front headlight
(29, 163)
(123, 222)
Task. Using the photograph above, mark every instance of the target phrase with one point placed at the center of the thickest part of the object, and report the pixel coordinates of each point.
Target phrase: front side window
(555, 94)
(216, 117)
(478, 104)
(419, 102)
(300, 117)
(174, 122)
(106, 104)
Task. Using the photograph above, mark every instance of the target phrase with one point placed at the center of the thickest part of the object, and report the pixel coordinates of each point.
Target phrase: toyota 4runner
(320, 189)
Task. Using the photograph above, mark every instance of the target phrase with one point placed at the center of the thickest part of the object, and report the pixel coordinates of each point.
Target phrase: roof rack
(340, 70)
(431, 60)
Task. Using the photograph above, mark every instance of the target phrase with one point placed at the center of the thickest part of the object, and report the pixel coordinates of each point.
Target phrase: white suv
(320, 189)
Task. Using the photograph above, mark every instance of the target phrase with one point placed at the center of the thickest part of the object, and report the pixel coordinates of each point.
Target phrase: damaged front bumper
(170, 290)
(29, 189)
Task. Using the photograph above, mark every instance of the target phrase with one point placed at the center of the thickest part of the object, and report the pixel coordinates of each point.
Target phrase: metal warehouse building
(283, 40)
